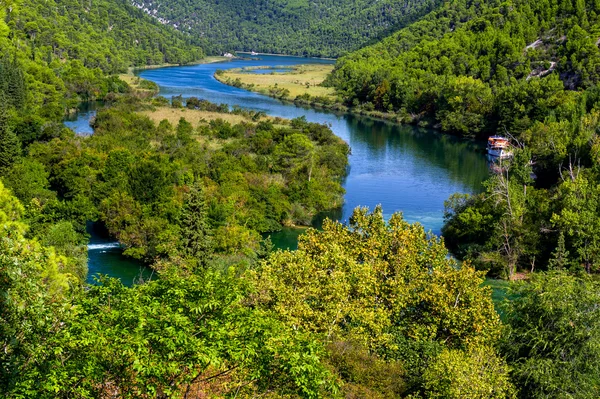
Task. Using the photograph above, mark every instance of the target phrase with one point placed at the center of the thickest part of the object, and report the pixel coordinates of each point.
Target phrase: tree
(149, 180)
(174, 337)
(387, 286)
(577, 218)
(451, 375)
(33, 288)
(10, 147)
(509, 197)
(509, 190)
(295, 153)
(28, 179)
(552, 342)
(195, 233)
(12, 81)
(560, 257)
(465, 104)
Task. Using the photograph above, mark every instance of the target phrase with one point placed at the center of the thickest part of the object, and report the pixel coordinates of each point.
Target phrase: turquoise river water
(403, 168)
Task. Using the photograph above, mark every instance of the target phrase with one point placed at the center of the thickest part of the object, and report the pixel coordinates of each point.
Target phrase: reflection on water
(287, 238)
(79, 121)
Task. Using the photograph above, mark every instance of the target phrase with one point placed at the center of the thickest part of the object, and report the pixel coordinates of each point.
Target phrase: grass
(138, 84)
(197, 117)
(194, 117)
(303, 79)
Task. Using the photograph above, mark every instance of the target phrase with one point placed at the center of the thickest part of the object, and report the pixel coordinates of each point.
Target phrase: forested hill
(55, 53)
(326, 28)
(108, 34)
(478, 66)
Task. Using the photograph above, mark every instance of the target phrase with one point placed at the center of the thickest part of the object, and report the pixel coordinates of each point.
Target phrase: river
(403, 168)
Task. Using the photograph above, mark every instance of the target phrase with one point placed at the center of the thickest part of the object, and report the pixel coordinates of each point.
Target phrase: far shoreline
(212, 59)
(287, 55)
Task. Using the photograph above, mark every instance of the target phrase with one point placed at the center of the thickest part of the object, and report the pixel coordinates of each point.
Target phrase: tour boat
(498, 147)
(253, 53)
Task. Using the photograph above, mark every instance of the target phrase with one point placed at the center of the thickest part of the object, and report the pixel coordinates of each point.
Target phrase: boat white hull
(499, 153)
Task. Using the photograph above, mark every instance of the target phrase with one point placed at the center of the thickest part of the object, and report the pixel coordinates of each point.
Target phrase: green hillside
(56, 53)
(526, 70)
(325, 28)
(478, 66)
(110, 35)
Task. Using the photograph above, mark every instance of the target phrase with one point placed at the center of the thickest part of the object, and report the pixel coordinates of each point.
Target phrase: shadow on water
(287, 238)
(79, 121)
(105, 256)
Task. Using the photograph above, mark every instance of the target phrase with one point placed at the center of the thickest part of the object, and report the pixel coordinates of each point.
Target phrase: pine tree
(195, 232)
(12, 82)
(560, 256)
(10, 147)
(15, 90)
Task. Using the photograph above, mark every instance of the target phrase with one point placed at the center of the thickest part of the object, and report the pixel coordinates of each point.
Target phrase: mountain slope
(301, 27)
(109, 34)
(474, 66)
(61, 51)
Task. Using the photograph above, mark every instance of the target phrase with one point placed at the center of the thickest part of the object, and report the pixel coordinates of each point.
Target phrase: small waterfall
(108, 245)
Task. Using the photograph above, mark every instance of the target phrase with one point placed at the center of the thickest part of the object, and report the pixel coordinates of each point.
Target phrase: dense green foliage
(160, 339)
(52, 56)
(553, 336)
(472, 67)
(324, 28)
(56, 53)
(528, 70)
(184, 333)
(392, 289)
(233, 182)
(100, 34)
(550, 222)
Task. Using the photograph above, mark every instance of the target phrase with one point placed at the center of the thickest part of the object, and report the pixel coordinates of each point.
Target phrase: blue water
(105, 256)
(80, 121)
(403, 168)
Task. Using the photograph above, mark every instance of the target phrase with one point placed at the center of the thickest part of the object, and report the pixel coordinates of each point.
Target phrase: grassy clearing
(139, 85)
(197, 117)
(194, 117)
(303, 79)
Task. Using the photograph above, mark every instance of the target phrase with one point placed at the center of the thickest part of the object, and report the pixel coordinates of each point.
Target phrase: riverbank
(302, 85)
(303, 81)
(285, 55)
